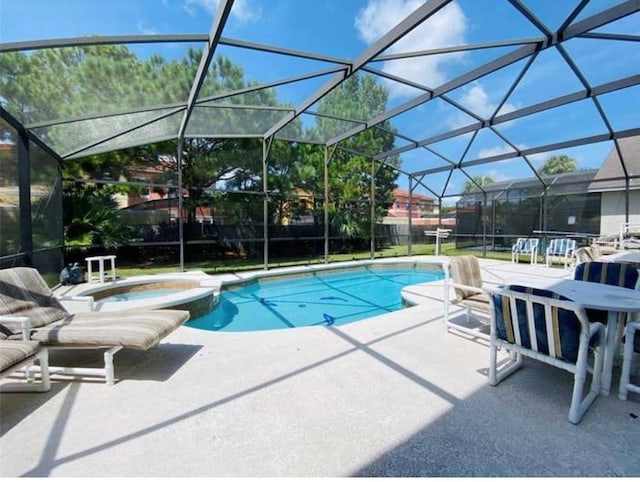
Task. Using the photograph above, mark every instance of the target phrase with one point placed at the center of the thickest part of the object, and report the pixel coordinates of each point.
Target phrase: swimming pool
(317, 299)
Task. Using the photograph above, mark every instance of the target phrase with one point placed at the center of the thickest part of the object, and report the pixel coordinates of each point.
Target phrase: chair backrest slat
(526, 245)
(532, 326)
(551, 331)
(515, 319)
(562, 246)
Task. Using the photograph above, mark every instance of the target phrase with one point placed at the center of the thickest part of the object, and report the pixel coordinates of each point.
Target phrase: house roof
(415, 196)
(612, 167)
(563, 183)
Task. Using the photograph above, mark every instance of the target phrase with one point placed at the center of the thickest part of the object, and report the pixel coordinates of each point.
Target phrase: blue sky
(345, 28)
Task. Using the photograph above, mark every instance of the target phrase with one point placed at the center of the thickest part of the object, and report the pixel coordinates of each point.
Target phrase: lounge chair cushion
(23, 292)
(137, 329)
(14, 351)
(565, 322)
(465, 270)
(478, 301)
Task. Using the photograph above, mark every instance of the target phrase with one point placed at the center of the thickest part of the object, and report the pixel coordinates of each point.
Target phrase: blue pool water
(320, 299)
(139, 295)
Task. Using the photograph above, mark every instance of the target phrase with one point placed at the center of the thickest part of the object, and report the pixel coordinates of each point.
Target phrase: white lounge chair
(16, 355)
(25, 295)
(464, 276)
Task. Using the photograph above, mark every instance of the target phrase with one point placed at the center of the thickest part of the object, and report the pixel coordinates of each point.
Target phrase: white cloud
(241, 10)
(496, 175)
(494, 151)
(446, 28)
(476, 99)
(143, 29)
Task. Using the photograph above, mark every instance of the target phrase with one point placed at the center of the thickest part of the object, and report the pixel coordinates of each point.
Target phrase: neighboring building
(595, 198)
(421, 205)
(613, 192)
(304, 203)
(424, 210)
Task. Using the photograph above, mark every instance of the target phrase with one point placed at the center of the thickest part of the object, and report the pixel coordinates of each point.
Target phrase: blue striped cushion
(567, 323)
(616, 274)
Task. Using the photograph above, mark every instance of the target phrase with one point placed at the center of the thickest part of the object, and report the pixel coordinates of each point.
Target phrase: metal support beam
(372, 196)
(180, 201)
(327, 157)
(409, 220)
(467, 78)
(266, 149)
(601, 18)
(224, 10)
(546, 105)
(24, 192)
(536, 150)
(100, 40)
(458, 48)
(572, 16)
(484, 224)
(611, 36)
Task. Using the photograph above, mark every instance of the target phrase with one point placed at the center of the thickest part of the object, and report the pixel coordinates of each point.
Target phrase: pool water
(139, 295)
(320, 299)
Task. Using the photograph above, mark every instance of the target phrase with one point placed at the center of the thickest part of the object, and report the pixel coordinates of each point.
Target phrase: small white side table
(100, 260)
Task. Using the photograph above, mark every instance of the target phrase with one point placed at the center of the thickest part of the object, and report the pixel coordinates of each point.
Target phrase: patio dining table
(631, 257)
(598, 296)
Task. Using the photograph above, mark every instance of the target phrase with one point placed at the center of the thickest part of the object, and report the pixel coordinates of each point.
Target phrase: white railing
(627, 228)
(439, 233)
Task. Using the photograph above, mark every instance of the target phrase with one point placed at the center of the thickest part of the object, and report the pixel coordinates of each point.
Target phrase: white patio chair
(631, 347)
(540, 324)
(528, 246)
(562, 248)
(464, 276)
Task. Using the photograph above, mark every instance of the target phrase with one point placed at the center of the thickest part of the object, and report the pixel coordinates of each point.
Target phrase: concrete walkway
(390, 396)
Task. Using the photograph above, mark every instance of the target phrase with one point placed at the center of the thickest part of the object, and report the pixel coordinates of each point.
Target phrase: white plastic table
(101, 260)
(598, 296)
(632, 257)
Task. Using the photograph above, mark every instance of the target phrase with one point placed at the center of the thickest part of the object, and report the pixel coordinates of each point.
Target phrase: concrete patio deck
(393, 395)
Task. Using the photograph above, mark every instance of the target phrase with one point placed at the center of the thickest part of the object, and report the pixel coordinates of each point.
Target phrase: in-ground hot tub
(155, 292)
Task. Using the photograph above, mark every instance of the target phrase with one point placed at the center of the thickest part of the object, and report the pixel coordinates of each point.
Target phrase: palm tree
(477, 181)
(558, 164)
(91, 216)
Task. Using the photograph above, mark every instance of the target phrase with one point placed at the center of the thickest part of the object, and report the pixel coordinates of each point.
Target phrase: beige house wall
(612, 209)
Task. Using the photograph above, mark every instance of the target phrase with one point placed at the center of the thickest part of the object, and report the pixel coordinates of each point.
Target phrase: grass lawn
(234, 265)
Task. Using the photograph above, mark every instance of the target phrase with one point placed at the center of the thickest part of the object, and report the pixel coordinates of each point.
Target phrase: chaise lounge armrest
(15, 323)
(89, 300)
(474, 289)
(21, 354)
